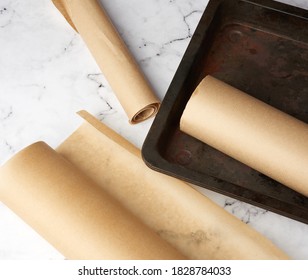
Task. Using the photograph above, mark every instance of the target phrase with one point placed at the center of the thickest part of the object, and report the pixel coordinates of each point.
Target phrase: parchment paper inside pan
(261, 48)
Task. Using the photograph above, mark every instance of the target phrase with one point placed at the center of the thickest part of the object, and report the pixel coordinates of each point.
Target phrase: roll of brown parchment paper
(249, 130)
(72, 212)
(188, 220)
(112, 56)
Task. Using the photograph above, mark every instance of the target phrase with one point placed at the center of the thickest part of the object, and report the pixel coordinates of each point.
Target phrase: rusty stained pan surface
(261, 48)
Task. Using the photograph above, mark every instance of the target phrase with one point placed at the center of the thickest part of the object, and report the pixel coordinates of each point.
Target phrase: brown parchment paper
(192, 223)
(250, 131)
(72, 212)
(112, 56)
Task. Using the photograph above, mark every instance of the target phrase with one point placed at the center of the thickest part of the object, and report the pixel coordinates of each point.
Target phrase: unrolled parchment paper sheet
(191, 222)
(112, 56)
(249, 130)
(72, 212)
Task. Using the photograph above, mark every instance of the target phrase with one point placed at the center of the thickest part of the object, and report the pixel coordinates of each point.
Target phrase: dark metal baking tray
(261, 48)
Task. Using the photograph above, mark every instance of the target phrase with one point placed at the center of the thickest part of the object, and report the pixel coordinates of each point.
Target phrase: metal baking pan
(261, 48)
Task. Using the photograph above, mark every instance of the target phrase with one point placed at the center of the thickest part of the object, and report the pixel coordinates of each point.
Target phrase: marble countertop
(47, 74)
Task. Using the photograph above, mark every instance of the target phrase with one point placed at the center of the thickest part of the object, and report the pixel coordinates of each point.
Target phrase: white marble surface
(47, 74)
